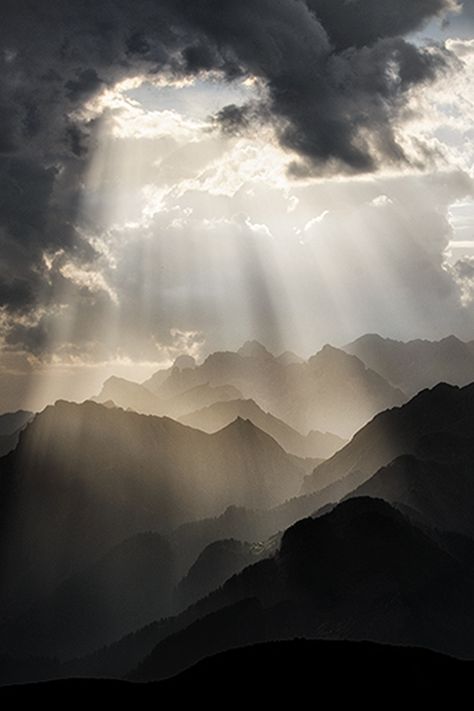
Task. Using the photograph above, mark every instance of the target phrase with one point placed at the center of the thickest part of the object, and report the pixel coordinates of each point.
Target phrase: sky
(180, 177)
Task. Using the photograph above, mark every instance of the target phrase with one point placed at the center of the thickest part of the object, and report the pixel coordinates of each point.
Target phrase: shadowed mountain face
(435, 425)
(316, 445)
(84, 477)
(418, 364)
(218, 562)
(362, 571)
(11, 424)
(128, 587)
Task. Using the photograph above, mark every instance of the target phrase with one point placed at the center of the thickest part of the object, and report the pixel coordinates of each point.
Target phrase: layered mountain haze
(100, 475)
(316, 445)
(418, 364)
(362, 571)
(136, 545)
(331, 392)
(236, 350)
(435, 426)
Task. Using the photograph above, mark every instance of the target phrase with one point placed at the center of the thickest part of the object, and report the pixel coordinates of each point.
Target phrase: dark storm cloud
(336, 72)
(357, 23)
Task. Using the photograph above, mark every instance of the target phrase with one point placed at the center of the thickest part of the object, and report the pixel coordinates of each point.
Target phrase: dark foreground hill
(350, 672)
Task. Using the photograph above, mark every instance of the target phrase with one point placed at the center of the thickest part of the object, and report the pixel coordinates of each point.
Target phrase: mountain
(254, 349)
(12, 422)
(219, 561)
(332, 392)
(132, 396)
(316, 445)
(289, 358)
(438, 492)
(84, 477)
(128, 587)
(362, 571)
(418, 364)
(183, 362)
(199, 397)
(129, 395)
(436, 423)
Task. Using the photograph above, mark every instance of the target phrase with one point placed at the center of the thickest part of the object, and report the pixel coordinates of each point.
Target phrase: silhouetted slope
(215, 564)
(332, 392)
(11, 422)
(130, 396)
(199, 397)
(274, 672)
(316, 445)
(420, 427)
(417, 364)
(441, 493)
(8, 442)
(362, 571)
(251, 524)
(130, 586)
(84, 477)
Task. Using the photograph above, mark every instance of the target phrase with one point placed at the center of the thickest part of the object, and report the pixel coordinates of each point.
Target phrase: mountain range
(99, 475)
(331, 392)
(136, 545)
(418, 364)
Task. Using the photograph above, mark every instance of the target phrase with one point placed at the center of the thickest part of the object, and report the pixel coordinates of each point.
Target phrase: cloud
(334, 78)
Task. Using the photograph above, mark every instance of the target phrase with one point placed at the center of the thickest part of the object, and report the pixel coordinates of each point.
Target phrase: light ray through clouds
(203, 239)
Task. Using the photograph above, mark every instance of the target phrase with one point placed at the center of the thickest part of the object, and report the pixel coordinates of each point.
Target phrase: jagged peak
(254, 349)
(184, 362)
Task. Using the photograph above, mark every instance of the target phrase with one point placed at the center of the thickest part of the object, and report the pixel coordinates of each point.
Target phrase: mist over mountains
(246, 499)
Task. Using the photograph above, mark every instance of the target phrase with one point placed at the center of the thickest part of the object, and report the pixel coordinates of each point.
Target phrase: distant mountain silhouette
(254, 349)
(289, 358)
(11, 422)
(199, 397)
(435, 423)
(84, 477)
(332, 392)
(317, 445)
(130, 396)
(183, 362)
(267, 672)
(417, 364)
